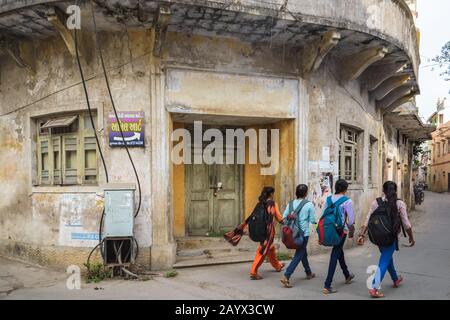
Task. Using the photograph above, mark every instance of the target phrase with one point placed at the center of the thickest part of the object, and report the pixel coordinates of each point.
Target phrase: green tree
(443, 60)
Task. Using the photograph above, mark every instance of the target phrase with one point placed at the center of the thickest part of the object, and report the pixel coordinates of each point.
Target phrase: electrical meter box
(119, 210)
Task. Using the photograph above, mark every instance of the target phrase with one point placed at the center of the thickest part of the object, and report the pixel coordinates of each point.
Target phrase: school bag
(292, 236)
(257, 223)
(330, 228)
(381, 227)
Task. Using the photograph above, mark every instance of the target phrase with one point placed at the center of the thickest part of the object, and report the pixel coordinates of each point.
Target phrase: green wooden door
(199, 199)
(227, 200)
(209, 208)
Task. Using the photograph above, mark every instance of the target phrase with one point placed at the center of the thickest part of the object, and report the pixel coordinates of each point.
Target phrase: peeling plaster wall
(51, 215)
(330, 106)
(37, 215)
(397, 162)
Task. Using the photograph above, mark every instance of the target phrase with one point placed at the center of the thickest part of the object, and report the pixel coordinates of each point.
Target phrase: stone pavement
(425, 267)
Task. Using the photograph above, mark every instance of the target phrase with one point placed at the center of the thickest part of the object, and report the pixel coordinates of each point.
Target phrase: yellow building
(440, 161)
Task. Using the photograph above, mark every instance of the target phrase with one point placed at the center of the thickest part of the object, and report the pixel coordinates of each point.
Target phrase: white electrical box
(119, 210)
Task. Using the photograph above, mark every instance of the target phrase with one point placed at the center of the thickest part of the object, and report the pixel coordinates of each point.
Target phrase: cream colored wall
(34, 215)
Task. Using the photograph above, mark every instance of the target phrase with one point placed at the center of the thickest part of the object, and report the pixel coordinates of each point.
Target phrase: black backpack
(257, 223)
(380, 226)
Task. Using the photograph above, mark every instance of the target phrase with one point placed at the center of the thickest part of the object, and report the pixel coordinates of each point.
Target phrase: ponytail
(390, 191)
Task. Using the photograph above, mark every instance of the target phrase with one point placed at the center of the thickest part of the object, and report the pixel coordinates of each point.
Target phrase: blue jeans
(300, 255)
(337, 254)
(386, 263)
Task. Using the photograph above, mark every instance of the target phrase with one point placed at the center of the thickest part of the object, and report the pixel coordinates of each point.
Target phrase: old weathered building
(437, 158)
(337, 78)
(440, 161)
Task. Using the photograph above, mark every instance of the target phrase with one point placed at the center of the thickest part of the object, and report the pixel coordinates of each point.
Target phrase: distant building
(439, 167)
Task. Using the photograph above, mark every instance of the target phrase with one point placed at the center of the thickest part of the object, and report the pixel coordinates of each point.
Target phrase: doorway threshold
(206, 251)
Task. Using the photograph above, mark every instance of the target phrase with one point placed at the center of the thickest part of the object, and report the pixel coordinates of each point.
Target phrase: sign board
(132, 123)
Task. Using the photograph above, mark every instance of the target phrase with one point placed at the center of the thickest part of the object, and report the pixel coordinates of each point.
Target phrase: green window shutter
(57, 174)
(70, 160)
(90, 160)
(44, 168)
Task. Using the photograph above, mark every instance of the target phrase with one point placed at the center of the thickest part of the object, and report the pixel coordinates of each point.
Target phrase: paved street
(425, 267)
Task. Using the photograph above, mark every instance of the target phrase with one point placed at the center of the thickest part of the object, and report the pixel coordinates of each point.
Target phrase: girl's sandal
(285, 281)
(256, 277)
(375, 293)
(282, 265)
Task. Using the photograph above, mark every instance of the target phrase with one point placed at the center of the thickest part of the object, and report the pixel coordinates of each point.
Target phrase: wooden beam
(376, 75)
(58, 20)
(161, 24)
(389, 85)
(352, 66)
(313, 53)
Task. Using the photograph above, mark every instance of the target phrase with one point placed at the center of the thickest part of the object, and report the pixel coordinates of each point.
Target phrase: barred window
(67, 150)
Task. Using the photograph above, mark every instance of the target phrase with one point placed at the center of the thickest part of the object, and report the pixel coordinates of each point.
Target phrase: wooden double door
(213, 198)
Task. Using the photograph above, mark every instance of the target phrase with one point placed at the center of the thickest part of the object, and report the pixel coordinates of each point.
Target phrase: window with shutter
(67, 150)
(348, 154)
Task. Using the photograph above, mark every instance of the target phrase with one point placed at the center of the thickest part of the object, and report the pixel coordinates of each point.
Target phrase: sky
(434, 24)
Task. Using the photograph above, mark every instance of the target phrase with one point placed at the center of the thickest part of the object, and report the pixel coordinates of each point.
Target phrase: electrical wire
(89, 107)
(86, 94)
(97, 42)
(88, 261)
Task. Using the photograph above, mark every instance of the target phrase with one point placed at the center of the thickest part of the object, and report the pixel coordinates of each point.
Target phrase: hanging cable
(86, 94)
(89, 107)
(97, 42)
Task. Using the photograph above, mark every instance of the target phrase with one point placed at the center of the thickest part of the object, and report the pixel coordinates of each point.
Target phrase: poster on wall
(132, 123)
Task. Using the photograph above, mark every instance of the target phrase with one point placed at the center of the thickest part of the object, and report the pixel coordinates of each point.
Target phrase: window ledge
(356, 186)
(66, 189)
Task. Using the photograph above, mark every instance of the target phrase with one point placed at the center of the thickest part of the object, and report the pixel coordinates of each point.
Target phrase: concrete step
(210, 242)
(200, 251)
(214, 251)
(186, 262)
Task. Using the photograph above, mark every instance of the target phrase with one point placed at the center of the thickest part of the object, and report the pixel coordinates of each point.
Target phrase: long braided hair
(390, 191)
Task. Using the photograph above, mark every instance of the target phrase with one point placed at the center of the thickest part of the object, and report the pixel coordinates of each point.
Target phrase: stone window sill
(66, 189)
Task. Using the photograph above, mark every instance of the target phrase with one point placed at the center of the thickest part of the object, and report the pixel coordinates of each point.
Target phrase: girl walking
(399, 217)
(266, 247)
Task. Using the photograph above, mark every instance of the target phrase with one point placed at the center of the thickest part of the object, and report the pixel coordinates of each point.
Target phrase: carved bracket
(377, 74)
(161, 23)
(354, 65)
(389, 85)
(397, 103)
(57, 18)
(312, 54)
(394, 96)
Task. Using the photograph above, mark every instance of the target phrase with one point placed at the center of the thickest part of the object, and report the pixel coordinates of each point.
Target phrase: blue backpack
(330, 227)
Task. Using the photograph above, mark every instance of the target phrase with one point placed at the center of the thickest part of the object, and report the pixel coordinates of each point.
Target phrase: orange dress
(267, 248)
